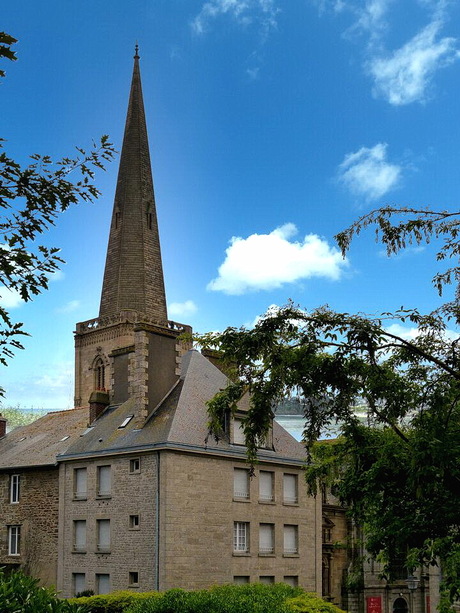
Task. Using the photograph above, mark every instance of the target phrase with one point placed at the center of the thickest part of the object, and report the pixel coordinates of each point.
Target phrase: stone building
(129, 492)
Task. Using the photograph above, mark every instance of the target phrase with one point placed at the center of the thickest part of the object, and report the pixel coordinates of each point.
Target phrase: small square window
(291, 580)
(134, 522)
(135, 465)
(267, 579)
(240, 579)
(134, 578)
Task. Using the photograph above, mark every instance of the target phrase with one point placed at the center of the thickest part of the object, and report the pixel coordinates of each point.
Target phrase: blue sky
(273, 124)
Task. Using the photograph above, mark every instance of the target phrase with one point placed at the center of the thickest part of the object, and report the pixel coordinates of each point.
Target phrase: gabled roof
(38, 443)
(179, 421)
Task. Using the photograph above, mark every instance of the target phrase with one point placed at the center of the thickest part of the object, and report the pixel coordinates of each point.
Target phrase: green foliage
(251, 598)
(22, 594)
(310, 603)
(5, 48)
(398, 469)
(31, 199)
(19, 417)
(116, 602)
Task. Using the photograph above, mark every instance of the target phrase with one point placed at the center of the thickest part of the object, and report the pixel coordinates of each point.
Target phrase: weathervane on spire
(136, 51)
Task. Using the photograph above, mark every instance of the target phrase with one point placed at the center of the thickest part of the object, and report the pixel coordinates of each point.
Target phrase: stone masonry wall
(198, 511)
(131, 549)
(37, 514)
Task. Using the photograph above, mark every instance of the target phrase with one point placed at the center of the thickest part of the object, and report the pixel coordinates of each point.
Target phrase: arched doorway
(400, 606)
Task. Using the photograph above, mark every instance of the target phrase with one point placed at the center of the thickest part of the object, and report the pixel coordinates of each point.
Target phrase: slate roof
(179, 421)
(38, 443)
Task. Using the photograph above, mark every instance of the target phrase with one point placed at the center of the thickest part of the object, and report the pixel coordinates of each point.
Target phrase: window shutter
(290, 488)
(266, 538)
(80, 534)
(265, 485)
(290, 539)
(80, 482)
(238, 433)
(103, 534)
(241, 483)
(79, 581)
(103, 584)
(104, 480)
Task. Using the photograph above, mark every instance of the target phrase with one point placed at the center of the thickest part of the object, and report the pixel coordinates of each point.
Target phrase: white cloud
(182, 309)
(268, 261)
(244, 12)
(406, 75)
(10, 298)
(69, 307)
(367, 172)
(410, 334)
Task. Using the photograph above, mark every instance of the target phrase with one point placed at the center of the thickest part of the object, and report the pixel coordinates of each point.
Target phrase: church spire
(133, 277)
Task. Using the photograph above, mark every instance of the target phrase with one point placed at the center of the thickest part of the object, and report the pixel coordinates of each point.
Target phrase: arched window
(99, 374)
(400, 606)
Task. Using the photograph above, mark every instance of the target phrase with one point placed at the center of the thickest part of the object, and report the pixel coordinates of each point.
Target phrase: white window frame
(266, 539)
(290, 488)
(134, 466)
(103, 534)
(266, 486)
(15, 485)
(14, 540)
(79, 534)
(104, 478)
(80, 478)
(134, 521)
(241, 537)
(291, 539)
(241, 483)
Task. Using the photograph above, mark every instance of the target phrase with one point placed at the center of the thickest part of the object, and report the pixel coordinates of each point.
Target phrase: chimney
(2, 426)
(98, 401)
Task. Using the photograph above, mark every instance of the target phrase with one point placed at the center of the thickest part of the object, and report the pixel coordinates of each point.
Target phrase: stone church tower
(131, 349)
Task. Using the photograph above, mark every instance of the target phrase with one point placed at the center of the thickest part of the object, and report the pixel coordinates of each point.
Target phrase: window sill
(78, 550)
(290, 555)
(135, 528)
(238, 499)
(133, 585)
(14, 501)
(290, 504)
(241, 554)
(76, 498)
(267, 502)
(103, 496)
(14, 555)
(103, 551)
(267, 555)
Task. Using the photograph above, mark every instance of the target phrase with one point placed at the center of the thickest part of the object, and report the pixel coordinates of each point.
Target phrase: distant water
(294, 424)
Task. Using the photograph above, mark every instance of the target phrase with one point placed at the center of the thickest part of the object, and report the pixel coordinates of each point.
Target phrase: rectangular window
(240, 579)
(241, 537)
(266, 486)
(79, 483)
(103, 584)
(290, 490)
(266, 538)
(103, 534)
(291, 580)
(14, 540)
(79, 535)
(238, 432)
(134, 578)
(267, 579)
(79, 582)
(104, 480)
(241, 483)
(291, 540)
(135, 465)
(134, 522)
(14, 488)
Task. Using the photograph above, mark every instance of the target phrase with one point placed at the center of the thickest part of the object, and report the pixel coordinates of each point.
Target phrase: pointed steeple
(133, 277)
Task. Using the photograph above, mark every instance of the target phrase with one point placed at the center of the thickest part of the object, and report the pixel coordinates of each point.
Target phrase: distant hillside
(18, 416)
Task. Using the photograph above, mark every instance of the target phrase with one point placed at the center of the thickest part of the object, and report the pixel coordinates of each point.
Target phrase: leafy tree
(31, 199)
(399, 471)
